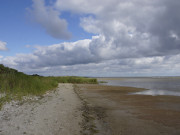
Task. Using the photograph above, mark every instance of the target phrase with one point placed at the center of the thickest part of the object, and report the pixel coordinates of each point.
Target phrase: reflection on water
(157, 92)
(156, 86)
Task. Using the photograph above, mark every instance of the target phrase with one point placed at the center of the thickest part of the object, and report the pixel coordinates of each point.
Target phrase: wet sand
(133, 114)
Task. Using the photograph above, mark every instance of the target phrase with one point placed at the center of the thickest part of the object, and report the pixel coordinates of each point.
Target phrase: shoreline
(134, 114)
(92, 109)
(153, 90)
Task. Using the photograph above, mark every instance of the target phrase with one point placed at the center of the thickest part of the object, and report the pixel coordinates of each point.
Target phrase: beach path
(57, 113)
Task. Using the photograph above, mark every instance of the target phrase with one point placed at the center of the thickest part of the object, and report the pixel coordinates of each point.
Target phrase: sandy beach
(90, 109)
(56, 113)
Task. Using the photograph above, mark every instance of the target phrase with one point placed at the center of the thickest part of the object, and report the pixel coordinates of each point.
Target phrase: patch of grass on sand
(16, 84)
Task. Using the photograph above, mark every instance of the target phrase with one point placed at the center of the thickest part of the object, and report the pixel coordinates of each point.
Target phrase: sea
(154, 85)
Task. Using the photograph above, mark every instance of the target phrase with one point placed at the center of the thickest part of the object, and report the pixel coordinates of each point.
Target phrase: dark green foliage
(18, 84)
(15, 82)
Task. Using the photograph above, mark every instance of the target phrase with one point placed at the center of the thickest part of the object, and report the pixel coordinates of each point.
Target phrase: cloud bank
(131, 37)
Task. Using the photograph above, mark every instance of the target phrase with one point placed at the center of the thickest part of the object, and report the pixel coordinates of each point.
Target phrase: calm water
(155, 86)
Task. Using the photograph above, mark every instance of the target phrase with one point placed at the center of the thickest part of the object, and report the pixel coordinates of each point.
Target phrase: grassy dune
(15, 85)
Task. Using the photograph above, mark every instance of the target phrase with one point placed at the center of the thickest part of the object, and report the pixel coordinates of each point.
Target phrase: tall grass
(75, 79)
(17, 84)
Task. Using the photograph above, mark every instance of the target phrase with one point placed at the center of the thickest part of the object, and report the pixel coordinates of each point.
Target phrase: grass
(103, 82)
(16, 84)
(75, 79)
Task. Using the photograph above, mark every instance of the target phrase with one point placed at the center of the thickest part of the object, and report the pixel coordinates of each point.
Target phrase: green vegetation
(15, 85)
(103, 82)
(75, 79)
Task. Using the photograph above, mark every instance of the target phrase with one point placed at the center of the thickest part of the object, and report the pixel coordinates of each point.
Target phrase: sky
(99, 38)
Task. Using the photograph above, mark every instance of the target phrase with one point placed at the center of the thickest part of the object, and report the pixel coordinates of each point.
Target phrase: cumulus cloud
(50, 20)
(76, 58)
(131, 28)
(160, 65)
(3, 46)
(166, 27)
(67, 53)
(132, 37)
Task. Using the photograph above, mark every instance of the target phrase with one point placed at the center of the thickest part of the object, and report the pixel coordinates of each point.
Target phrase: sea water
(154, 85)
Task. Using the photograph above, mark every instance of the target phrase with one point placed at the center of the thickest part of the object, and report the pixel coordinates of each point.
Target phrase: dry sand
(57, 113)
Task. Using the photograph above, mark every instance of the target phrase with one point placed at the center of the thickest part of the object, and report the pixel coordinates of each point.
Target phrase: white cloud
(133, 37)
(3, 46)
(83, 6)
(67, 53)
(129, 27)
(76, 58)
(49, 19)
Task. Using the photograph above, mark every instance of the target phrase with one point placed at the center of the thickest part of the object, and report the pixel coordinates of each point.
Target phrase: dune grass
(75, 79)
(14, 84)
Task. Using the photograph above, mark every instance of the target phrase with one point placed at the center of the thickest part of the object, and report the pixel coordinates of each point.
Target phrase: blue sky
(19, 30)
(91, 38)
